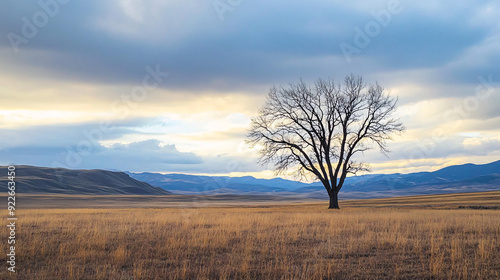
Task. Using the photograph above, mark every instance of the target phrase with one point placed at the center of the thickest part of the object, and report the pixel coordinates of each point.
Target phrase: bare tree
(317, 131)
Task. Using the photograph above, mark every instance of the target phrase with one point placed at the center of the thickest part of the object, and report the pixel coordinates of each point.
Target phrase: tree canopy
(318, 130)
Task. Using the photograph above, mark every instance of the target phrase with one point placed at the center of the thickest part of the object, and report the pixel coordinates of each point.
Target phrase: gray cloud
(145, 155)
(415, 153)
(69, 134)
(261, 43)
(149, 155)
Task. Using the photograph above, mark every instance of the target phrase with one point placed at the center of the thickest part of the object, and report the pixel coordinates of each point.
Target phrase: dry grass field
(398, 238)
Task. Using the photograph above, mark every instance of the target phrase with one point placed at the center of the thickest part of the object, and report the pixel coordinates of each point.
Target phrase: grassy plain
(431, 237)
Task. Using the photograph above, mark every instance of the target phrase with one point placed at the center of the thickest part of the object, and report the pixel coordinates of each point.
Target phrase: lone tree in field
(318, 130)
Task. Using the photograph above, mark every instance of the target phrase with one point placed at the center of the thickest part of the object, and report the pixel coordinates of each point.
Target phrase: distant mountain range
(44, 180)
(452, 179)
(194, 184)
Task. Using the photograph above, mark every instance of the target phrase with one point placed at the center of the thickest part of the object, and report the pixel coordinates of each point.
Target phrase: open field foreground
(52, 201)
(303, 241)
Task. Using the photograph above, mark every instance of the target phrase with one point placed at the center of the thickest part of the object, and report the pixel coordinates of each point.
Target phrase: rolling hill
(452, 179)
(194, 184)
(44, 180)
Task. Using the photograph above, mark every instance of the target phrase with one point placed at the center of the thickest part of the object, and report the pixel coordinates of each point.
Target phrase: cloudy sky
(170, 86)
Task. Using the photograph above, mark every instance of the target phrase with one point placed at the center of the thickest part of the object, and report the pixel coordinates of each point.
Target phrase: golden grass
(441, 201)
(61, 201)
(276, 242)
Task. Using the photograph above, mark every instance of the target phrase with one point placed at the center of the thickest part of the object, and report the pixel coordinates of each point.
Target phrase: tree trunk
(334, 200)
